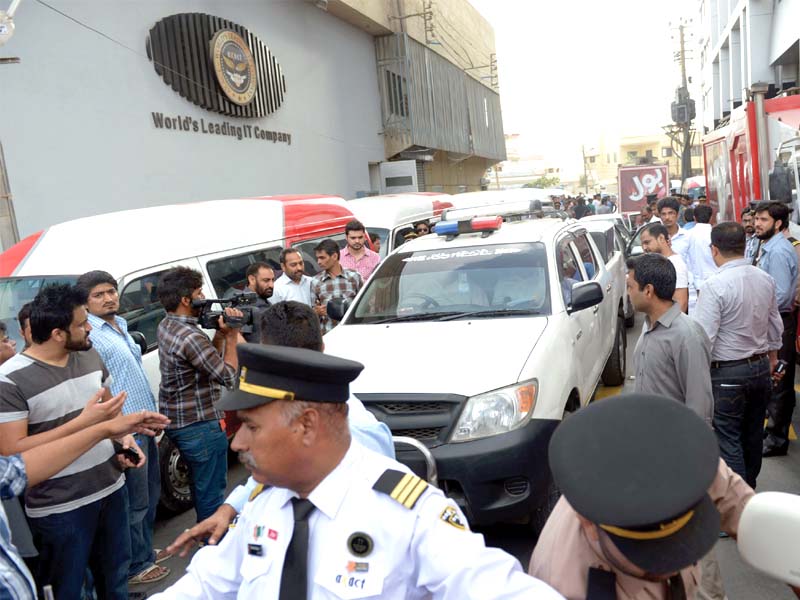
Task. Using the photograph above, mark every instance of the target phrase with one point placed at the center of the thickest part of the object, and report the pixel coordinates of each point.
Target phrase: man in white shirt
(655, 238)
(698, 254)
(669, 209)
(294, 284)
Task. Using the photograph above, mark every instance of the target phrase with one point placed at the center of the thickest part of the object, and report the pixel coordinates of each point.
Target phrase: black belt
(716, 364)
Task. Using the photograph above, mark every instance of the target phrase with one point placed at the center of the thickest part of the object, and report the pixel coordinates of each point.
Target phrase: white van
(392, 216)
(219, 238)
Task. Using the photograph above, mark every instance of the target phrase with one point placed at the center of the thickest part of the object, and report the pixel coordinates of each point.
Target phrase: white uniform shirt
(681, 271)
(422, 552)
(285, 289)
(698, 254)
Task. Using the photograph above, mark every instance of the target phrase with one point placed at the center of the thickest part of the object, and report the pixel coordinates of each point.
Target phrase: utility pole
(683, 109)
(585, 172)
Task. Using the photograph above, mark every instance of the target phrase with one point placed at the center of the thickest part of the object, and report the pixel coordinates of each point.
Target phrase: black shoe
(781, 450)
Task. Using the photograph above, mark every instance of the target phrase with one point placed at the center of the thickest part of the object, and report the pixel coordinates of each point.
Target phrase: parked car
(478, 341)
(219, 238)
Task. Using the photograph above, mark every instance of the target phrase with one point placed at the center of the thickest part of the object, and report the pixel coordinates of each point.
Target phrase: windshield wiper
(499, 312)
(434, 316)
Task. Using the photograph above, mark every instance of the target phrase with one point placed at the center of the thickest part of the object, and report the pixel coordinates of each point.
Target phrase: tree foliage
(544, 182)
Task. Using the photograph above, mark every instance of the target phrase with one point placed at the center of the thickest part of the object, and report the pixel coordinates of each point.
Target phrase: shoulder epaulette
(256, 491)
(795, 241)
(405, 488)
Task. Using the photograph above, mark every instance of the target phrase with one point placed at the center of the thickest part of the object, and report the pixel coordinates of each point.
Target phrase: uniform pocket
(254, 567)
(351, 580)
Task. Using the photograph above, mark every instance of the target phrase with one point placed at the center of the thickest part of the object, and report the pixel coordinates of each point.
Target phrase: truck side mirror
(337, 308)
(140, 340)
(585, 295)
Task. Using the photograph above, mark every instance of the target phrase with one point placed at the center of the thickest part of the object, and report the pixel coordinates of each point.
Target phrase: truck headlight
(496, 412)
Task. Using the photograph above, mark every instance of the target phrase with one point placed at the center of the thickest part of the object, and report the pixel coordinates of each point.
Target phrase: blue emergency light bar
(474, 225)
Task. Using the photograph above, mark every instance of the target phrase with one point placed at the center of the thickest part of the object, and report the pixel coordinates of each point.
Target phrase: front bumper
(502, 478)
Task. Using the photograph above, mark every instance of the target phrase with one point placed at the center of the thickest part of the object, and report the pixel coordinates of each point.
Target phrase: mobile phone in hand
(128, 453)
(780, 367)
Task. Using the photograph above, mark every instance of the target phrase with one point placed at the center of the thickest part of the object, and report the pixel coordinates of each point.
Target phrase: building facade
(128, 105)
(742, 42)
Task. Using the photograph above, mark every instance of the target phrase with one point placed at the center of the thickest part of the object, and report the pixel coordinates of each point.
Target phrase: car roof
(533, 230)
(390, 210)
(127, 241)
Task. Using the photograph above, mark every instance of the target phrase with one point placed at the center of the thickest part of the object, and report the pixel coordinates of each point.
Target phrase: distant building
(741, 43)
(242, 99)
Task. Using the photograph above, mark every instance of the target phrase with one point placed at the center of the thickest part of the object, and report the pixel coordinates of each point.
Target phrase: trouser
(143, 487)
(741, 393)
(781, 405)
(204, 447)
(96, 535)
(711, 587)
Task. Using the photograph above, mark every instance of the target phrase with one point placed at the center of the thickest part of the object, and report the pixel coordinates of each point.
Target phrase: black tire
(540, 515)
(176, 494)
(614, 371)
(630, 320)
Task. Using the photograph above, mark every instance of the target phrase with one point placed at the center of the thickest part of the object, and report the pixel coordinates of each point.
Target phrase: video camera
(209, 319)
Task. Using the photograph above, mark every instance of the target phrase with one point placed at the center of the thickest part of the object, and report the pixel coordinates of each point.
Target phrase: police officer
(339, 521)
(635, 517)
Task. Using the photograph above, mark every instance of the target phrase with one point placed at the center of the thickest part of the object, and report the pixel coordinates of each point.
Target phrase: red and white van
(219, 238)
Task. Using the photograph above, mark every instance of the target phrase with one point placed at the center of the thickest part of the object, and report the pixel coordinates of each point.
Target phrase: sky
(572, 70)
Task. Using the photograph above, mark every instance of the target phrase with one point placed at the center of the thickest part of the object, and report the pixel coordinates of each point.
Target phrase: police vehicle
(478, 339)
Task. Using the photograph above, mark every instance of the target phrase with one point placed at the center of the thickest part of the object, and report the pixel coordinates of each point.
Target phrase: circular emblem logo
(234, 66)
(360, 544)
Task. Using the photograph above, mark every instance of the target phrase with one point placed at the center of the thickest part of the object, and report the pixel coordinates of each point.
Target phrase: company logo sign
(234, 66)
(216, 64)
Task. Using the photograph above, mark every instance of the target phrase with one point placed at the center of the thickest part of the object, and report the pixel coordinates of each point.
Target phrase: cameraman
(193, 371)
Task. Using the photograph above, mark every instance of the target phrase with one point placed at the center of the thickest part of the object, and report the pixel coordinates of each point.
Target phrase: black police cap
(640, 466)
(280, 373)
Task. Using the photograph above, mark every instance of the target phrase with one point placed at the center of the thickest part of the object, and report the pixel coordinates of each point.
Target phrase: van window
(306, 249)
(140, 307)
(17, 291)
(228, 274)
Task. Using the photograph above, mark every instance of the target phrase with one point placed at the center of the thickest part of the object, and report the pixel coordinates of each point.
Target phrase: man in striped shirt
(79, 517)
(333, 281)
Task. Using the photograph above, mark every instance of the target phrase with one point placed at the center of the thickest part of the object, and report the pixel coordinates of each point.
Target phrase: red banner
(637, 183)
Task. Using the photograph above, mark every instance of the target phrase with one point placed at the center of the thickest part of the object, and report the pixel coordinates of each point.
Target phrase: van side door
(140, 307)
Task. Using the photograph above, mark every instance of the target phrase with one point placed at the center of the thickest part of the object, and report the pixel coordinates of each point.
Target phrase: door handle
(595, 309)
(608, 288)
(580, 334)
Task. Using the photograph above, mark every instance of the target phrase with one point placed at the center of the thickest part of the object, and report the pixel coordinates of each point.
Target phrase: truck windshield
(493, 281)
(17, 291)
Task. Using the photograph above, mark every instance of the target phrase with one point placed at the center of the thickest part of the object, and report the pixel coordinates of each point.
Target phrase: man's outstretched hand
(211, 529)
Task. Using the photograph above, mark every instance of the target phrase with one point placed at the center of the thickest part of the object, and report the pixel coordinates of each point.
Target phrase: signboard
(637, 183)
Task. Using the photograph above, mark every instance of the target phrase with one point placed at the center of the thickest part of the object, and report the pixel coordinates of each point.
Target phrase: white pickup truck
(478, 339)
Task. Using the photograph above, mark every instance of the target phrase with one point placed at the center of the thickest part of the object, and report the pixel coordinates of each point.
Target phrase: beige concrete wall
(449, 177)
(460, 33)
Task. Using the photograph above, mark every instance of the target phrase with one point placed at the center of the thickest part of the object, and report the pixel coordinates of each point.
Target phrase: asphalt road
(741, 581)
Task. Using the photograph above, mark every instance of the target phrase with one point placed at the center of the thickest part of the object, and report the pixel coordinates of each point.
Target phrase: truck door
(741, 193)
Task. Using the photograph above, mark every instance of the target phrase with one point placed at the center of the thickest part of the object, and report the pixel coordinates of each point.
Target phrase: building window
(648, 154)
(632, 154)
(592, 159)
(697, 151)
(666, 152)
(396, 94)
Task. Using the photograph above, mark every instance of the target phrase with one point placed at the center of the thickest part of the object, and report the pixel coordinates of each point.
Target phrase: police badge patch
(451, 517)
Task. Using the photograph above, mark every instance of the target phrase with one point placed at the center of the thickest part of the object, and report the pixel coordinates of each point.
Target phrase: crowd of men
(327, 511)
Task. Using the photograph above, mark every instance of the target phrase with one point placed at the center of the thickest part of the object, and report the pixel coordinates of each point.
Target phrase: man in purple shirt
(356, 256)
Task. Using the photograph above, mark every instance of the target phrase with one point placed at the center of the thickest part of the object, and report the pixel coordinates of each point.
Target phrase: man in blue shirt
(123, 359)
(777, 257)
(296, 325)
